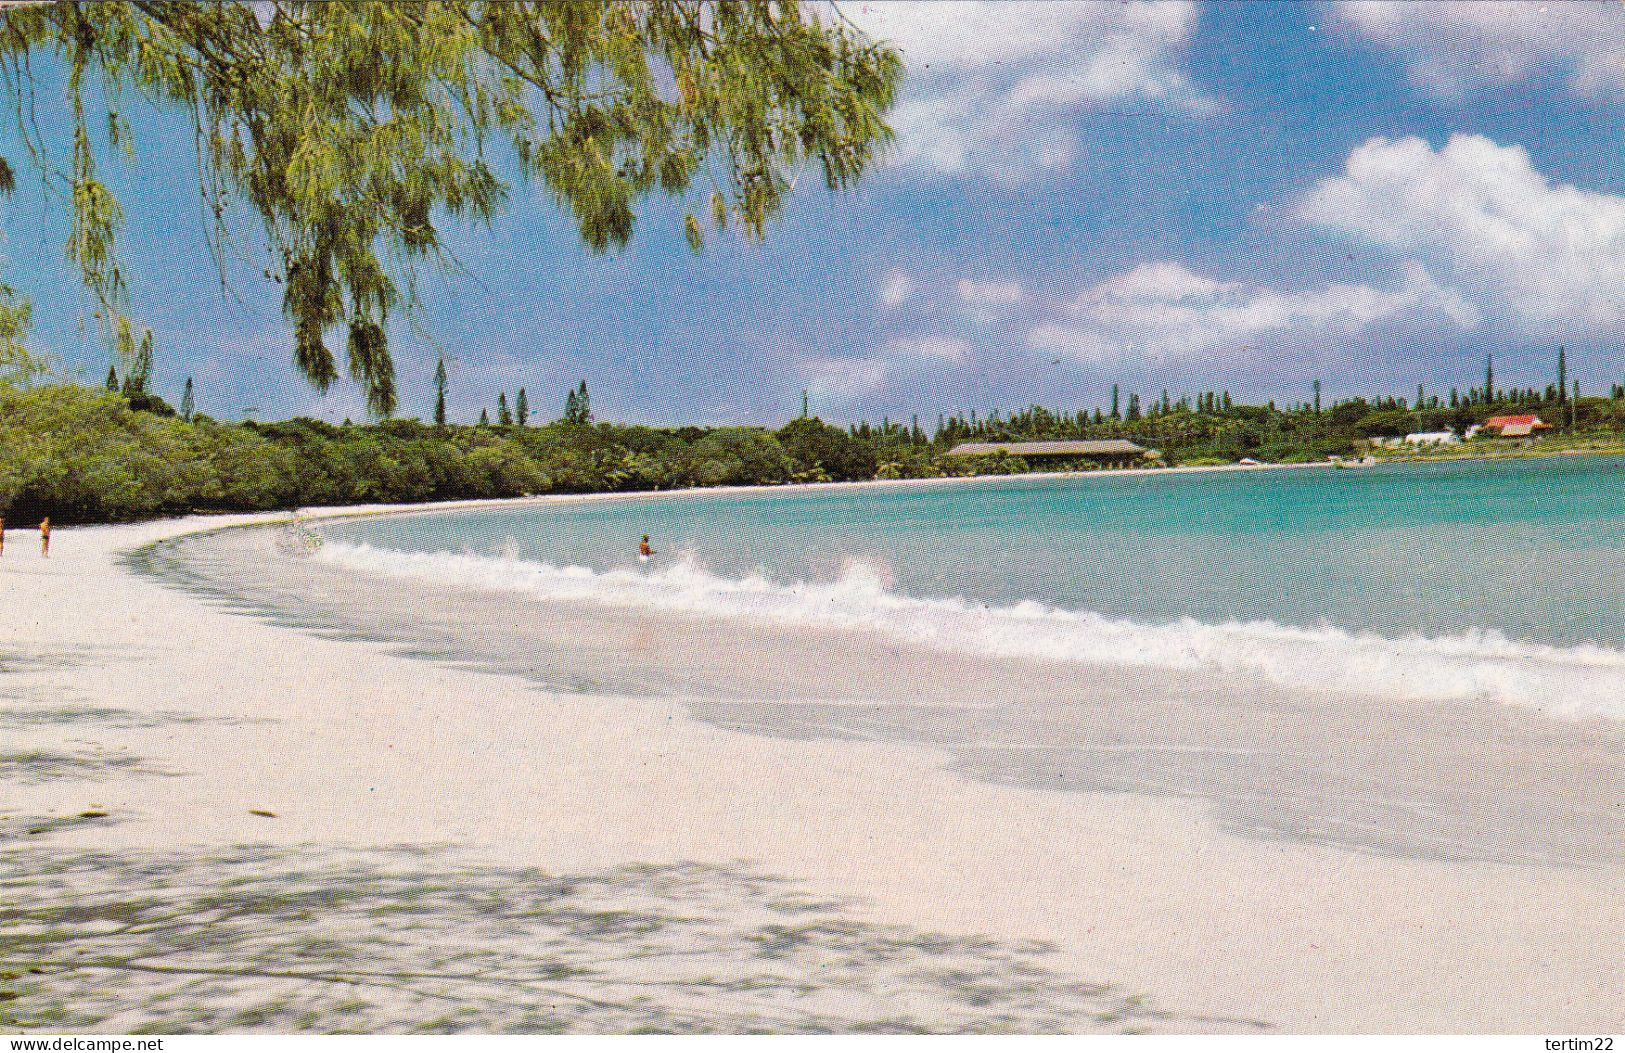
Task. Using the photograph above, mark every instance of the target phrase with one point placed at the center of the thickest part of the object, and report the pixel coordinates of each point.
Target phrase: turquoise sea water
(1500, 580)
(1423, 659)
(1534, 549)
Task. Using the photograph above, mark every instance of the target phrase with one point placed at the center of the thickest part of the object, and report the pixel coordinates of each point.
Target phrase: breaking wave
(1483, 665)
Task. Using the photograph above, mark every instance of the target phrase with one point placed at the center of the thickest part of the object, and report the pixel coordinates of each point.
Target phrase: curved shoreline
(346, 511)
(351, 748)
(785, 488)
(228, 519)
(1067, 713)
(204, 520)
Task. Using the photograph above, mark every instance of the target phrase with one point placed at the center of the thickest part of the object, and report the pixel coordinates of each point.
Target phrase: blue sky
(1191, 196)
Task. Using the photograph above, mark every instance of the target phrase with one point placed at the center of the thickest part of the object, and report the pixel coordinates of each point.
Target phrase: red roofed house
(1514, 427)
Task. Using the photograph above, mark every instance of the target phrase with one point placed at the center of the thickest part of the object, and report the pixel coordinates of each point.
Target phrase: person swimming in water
(644, 551)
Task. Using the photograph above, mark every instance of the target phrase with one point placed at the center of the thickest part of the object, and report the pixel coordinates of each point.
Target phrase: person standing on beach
(45, 537)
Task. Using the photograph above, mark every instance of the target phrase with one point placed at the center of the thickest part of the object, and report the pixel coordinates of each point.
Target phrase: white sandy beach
(353, 748)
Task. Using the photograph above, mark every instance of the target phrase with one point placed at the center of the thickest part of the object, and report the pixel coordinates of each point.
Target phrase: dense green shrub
(90, 455)
(823, 451)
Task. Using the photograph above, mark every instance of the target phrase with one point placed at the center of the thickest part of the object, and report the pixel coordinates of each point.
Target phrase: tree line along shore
(88, 455)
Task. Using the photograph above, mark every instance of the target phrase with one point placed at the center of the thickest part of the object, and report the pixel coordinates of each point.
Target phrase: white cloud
(1161, 282)
(965, 34)
(1453, 47)
(949, 348)
(992, 85)
(1164, 310)
(895, 288)
(1482, 217)
(843, 379)
(1477, 235)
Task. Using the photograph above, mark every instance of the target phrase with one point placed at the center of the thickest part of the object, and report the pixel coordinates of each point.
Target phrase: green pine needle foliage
(352, 130)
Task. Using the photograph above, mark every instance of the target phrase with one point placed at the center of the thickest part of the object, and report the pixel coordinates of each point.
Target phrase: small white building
(1432, 438)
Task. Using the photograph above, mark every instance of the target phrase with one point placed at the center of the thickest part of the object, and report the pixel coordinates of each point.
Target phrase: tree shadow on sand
(40, 765)
(406, 941)
(34, 715)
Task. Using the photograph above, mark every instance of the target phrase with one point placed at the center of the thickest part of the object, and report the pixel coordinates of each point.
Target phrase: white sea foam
(1580, 681)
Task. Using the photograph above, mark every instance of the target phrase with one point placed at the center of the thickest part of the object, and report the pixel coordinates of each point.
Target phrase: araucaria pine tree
(1562, 375)
(136, 377)
(570, 415)
(583, 405)
(504, 415)
(440, 392)
(485, 419)
(112, 378)
(186, 401)
(521, 409)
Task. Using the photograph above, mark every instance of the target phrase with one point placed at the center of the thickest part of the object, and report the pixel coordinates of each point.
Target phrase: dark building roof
(1070, 448)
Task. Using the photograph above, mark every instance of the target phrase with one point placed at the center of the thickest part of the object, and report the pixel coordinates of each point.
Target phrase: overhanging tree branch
(353, 129)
